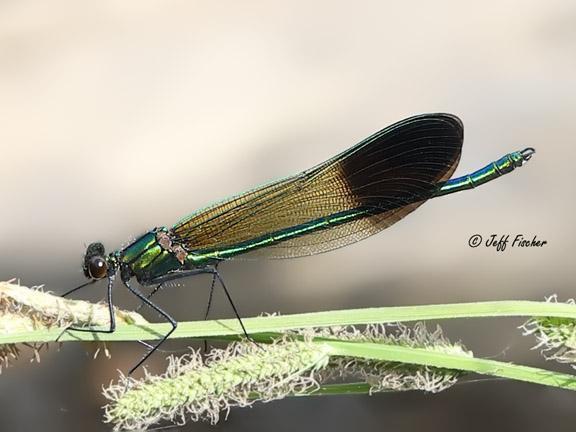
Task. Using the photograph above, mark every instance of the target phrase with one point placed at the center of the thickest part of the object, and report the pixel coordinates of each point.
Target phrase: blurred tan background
(116, 117)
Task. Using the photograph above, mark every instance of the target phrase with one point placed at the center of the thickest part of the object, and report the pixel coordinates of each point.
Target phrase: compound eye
(97, 267)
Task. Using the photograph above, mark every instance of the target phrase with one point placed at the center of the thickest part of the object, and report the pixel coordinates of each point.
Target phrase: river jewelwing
(356, 194)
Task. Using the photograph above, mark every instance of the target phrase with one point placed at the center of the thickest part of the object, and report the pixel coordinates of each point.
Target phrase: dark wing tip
(450, 120)
(453, 122)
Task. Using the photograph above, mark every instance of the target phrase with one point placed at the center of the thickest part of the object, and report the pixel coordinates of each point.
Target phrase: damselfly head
(95, 264)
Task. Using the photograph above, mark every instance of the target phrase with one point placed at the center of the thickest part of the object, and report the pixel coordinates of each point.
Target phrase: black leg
(163, 279)
(110, 310)
(161, 312)
(210, 297)
(215, 272)
(208, 307)
(174, 276)
(180, 275)
(149, 296)
(77, 288)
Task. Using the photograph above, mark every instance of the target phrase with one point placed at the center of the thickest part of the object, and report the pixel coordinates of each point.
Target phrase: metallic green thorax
(147, 259)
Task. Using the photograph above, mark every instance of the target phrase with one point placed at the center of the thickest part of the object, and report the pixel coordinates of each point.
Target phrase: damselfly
(357, 193)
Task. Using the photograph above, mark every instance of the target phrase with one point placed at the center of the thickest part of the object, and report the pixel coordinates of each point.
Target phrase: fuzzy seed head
(244, 373)
(556, 337)
(24, 309)
(230, 377)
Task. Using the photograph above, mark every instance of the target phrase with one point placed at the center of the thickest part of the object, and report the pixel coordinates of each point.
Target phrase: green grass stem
(277, 324)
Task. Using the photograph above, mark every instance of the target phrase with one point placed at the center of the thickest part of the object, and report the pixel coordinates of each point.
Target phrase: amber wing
(383, 178)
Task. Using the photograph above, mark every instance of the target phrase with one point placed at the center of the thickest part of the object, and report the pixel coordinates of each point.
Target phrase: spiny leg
(149, 296)
(161, 284)
(215, 275)
(170, 277)
(191, 273)
(181, 275)
(141, 305)
(210, 296)
(161, 312)
(208, 306)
